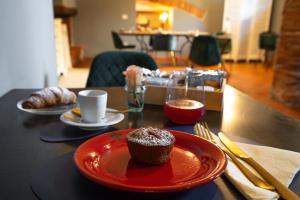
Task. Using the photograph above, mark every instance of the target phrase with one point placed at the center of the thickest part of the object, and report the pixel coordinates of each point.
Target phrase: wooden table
(243, 119)
(188, 35)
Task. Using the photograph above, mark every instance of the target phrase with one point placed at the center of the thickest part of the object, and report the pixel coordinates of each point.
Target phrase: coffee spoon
(76, 111)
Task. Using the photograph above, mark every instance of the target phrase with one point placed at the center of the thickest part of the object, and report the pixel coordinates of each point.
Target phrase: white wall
(27, 53)
(248, 20)
(95, 21)
(212, 22)
(277, 15)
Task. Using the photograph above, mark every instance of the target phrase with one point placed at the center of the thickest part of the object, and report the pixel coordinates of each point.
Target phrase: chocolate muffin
(150, 145)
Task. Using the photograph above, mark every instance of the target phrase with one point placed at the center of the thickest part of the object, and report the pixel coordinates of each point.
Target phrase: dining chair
(118, 42)
(225, 47)
(267, 40)
(267, 45)
(167, 43)
(107, 67)
(224, 43)
(205, 51)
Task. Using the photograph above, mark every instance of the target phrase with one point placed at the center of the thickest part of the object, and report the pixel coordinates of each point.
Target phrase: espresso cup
(92, 105)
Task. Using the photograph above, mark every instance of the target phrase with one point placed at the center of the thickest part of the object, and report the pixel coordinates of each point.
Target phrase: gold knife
(284, 191)
(259, 182)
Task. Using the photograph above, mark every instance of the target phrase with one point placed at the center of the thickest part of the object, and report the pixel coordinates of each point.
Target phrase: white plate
(74, 120)
(54, 110)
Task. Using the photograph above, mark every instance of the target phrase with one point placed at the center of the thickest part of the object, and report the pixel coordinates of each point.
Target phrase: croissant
(51, 96)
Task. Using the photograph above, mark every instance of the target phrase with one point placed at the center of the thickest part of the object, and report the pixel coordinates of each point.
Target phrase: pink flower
(134, 76)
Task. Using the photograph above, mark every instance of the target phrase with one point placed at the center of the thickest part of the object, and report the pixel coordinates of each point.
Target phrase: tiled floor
(256, 81)
(252, 79)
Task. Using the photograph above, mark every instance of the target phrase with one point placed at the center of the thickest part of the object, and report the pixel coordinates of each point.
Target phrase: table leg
(142, 43)
(188, 41)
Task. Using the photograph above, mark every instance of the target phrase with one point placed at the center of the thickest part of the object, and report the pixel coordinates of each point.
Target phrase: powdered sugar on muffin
(151, 137)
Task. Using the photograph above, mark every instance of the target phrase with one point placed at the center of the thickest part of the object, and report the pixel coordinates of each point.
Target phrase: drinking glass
(135, 97)
(185, 98)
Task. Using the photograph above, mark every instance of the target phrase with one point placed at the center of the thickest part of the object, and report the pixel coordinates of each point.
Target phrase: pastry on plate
(48, 97)
(150, 145)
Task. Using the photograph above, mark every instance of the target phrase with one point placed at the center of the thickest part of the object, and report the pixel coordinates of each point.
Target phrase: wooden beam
(183, 5)
(64, 12)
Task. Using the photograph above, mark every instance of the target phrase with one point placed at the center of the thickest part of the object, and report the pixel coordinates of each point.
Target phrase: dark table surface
(243, 119)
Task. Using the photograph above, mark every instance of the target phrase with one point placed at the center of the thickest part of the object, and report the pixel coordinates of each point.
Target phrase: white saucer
(74, 120)
(54, 110)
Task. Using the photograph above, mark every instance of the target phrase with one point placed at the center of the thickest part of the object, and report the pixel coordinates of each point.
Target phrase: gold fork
(203, 131)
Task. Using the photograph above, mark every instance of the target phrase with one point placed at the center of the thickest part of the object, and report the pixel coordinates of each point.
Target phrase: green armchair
(107, 67)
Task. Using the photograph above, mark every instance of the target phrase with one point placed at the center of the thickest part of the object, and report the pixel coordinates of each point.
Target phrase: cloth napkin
(282, 164)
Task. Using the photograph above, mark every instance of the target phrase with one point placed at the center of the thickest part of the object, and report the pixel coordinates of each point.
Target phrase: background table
(188, 35)
(243, 119)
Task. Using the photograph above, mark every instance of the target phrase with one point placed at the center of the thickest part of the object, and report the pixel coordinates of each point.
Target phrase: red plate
(193, 161)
